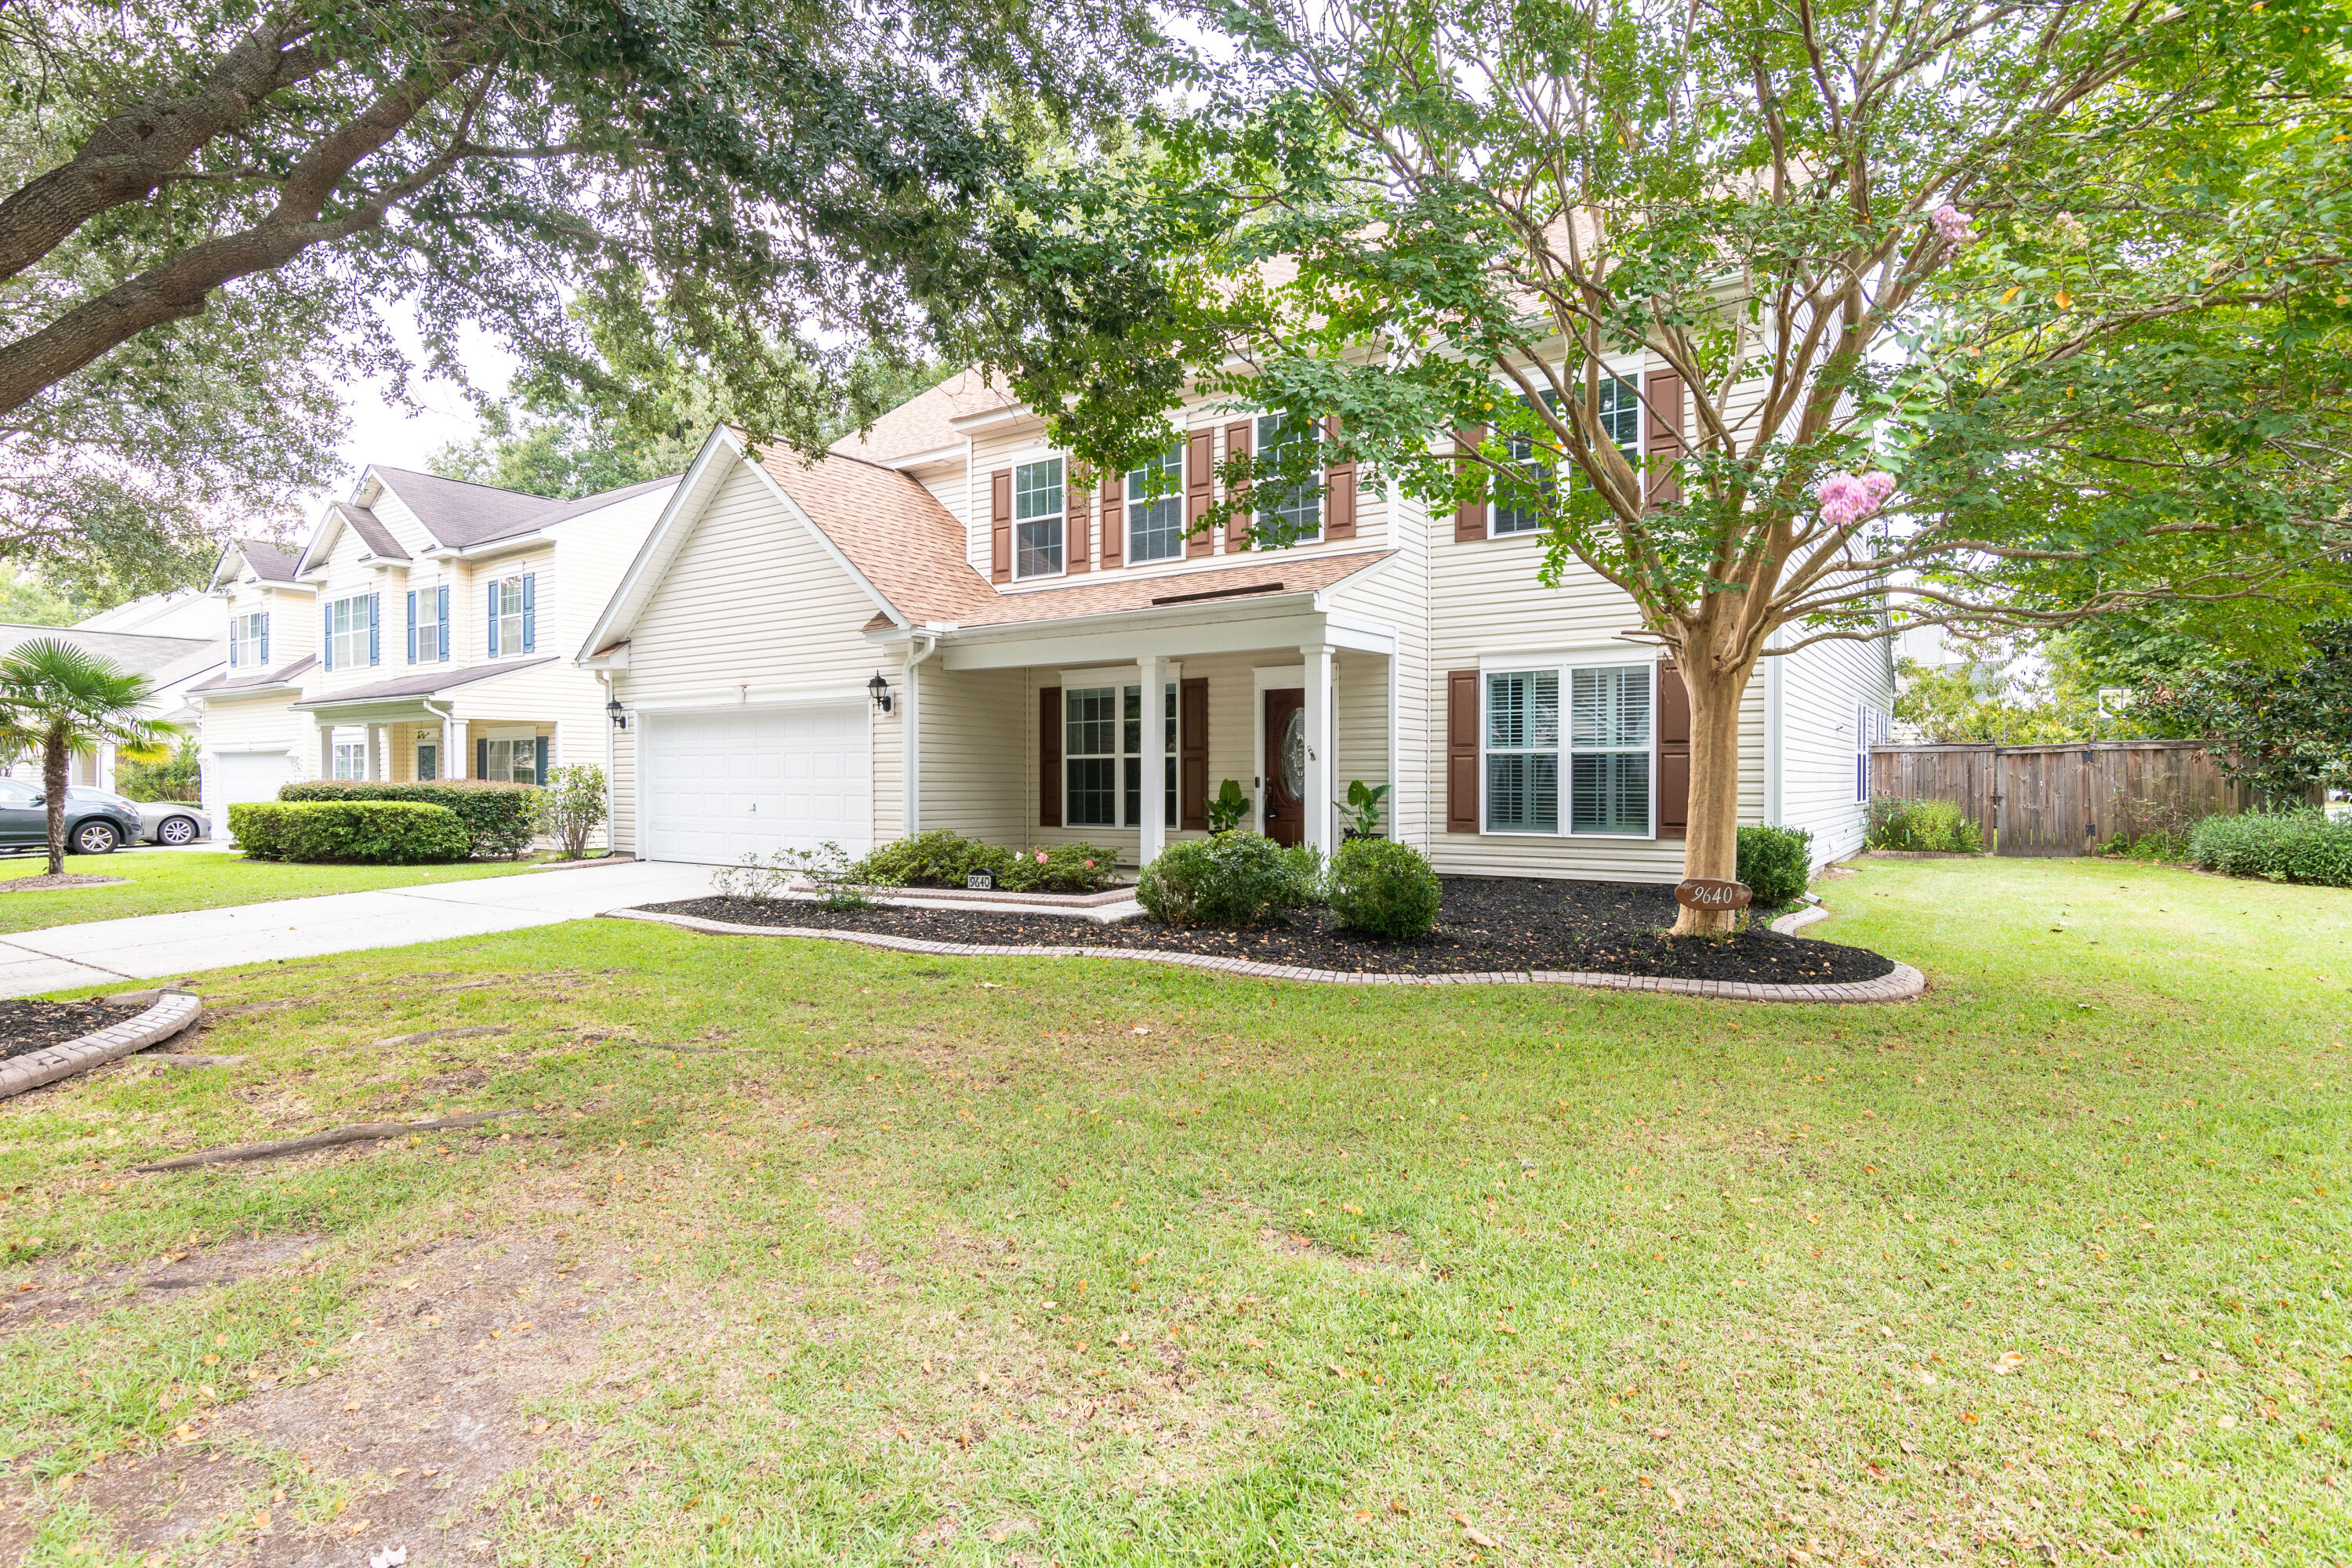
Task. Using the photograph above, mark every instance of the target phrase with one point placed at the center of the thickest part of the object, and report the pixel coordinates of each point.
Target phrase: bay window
(1605, 749)
(1037, 503)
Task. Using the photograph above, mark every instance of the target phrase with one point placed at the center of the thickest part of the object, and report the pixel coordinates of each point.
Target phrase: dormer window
(249, 639)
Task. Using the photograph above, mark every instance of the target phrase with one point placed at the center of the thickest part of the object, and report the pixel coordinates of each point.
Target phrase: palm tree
(58, 699)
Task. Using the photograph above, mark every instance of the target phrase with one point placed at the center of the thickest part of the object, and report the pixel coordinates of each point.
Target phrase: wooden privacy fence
(2063, 799)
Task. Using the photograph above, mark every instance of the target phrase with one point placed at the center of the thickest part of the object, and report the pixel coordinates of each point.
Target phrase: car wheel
(177, 830)
(96, 839)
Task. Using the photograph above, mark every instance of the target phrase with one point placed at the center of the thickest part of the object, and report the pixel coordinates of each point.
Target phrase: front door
(1285, 765)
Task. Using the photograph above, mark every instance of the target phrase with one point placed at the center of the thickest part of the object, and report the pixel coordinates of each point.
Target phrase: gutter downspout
(447, 719)
(605, 677)
(911, 743)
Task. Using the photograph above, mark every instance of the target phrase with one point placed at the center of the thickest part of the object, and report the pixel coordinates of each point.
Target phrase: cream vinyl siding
(593, 552)
(623, 832)
(1359, 743)
(972, 779)
(753, 600)
(1395, 596)
(394, 513)
(1821, 687)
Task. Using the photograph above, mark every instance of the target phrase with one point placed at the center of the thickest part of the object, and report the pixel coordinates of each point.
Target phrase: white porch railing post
(1318, 803)
(1151, 832)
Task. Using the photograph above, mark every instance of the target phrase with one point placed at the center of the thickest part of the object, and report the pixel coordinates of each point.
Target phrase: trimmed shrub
(499, 816)
(570, 808)
(1310, 878)
(2281, 846)
(359, 832)
(1384, 889)
(939, 858)
(1936, 826)
(1080, 867)
(1776, 863)
(1229, 880)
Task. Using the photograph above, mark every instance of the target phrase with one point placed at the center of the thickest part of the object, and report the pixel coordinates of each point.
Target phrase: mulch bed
(65, 879)
(27, 1026)
(1485, 923)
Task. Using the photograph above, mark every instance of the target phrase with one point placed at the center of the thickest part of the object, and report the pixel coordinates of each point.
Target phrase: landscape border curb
(1902, 985)
(169, 1013)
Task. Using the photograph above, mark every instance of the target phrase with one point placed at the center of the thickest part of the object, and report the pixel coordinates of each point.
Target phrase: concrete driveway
(157, 947)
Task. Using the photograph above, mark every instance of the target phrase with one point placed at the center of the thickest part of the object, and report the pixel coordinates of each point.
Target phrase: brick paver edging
(1902, 985)
(170, 1013)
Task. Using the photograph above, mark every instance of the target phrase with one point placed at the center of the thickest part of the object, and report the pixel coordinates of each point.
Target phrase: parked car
(97, 822)
(171, 822)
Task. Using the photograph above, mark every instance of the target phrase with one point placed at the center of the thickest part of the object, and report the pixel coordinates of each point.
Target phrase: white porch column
(378, 754)
(1151, 833)
(1317, 803)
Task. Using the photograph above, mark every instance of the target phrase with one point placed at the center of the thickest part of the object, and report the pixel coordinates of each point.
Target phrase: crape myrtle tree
(1970, 313)
(205, 202)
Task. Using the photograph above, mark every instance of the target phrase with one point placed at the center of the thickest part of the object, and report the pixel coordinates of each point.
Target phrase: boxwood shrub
(1230, 879)
(1383, 890)
(943, 859)
(1776, 863)
(2282, 845)
(498, 815)
(360, 832)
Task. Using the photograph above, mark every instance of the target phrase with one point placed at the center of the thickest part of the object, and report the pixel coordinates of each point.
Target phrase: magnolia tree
(1936, 312)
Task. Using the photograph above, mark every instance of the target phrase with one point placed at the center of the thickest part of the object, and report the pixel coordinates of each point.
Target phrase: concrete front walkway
(157, 947)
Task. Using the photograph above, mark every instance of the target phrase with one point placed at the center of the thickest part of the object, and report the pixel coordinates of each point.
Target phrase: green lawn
(819, 1255)
(159, 883)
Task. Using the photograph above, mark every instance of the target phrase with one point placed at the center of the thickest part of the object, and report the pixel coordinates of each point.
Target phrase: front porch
(468, 725)
(1126, 741)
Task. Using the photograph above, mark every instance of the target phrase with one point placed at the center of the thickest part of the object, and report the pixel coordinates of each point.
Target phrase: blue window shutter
(235, 627)
(375, 648)
(538, 761)
(494, 620)
(441, 614)
(481, 758)
(265, 637)
(327, 637)
(530, 624)
(411, 625)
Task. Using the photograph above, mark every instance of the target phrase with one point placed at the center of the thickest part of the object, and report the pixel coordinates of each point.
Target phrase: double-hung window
(249, 638)
(514, 615)
(351, 632)
(1537, 469)
(1871, 728)
(351, 760)
(1617, 408)
(1602, 746)
(1104, 756)
(1037, 501)
(1155, 525)
(1293, 514)
(508, 761)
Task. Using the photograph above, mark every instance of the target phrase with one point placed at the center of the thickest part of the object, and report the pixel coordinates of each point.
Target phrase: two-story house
(421, 634)
(939, 625)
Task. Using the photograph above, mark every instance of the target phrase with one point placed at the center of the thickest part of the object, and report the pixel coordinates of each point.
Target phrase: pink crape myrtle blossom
(1951, 223)
(1849, 497)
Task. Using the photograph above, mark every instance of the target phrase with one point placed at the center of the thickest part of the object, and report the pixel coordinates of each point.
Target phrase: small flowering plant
(1062, 868)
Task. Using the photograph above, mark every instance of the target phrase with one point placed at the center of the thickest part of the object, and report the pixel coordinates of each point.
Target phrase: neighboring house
(939, 626)
(421, 634)
(171, 664)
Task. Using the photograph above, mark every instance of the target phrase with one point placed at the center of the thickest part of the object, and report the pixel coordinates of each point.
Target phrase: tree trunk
(1712, 845)
(54, 755)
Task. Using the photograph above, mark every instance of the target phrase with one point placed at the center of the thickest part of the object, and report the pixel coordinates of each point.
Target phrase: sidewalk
(157, 947)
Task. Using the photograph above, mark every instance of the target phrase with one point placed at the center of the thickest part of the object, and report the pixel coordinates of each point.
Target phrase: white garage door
(750, 781)
(232, 777)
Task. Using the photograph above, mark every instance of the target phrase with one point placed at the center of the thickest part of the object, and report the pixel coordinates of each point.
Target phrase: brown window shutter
(1662, 438)
(1049, 756)
(1470, 517)
(1674, 753)
(1340, 496)
(1461, 750)
(1237, 515)
(1114, 521)
(1078, 521)
(1192, 753)
(1200, 489)
(1000, 526)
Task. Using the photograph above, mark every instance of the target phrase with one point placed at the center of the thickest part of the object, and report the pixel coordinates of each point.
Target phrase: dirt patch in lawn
(65, 1298)
(439, 1402)
(28, 1027)
(65, 879)
(1486, 924)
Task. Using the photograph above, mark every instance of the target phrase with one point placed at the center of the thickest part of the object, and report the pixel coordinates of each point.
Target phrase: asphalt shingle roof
(226, 684)
(430, 683)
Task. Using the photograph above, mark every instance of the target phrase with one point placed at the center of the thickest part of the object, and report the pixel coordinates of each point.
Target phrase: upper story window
(1294, 515)
(249, 638)
(351, 632)
(1618, 409)
(429, 624)
(1037, 503)
(1155, 527)
(1607, 745)
(513, 615)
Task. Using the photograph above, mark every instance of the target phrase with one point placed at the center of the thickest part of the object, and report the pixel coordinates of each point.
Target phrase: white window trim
(1119, 678)
(1015, 464)
(1322, 497)
(1631, 368)
(1580, 658)
(1180, 499)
